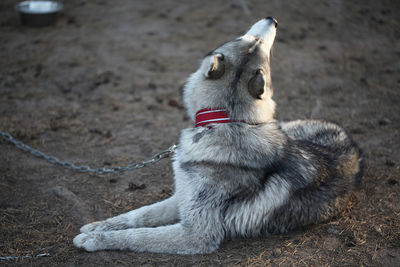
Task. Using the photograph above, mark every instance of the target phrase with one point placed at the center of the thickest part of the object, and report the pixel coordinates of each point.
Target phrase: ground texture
(102, 87)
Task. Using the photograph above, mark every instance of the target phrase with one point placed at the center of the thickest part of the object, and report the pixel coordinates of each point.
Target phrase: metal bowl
(38, 13)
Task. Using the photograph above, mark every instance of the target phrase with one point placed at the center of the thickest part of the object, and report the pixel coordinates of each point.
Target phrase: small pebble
(389, 163)
(133, 186)
(333, 231)
(276, 252)
(331, 243)
(384, 121)
(173, 103)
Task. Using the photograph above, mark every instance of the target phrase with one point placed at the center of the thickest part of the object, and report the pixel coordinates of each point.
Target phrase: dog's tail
(351, 165)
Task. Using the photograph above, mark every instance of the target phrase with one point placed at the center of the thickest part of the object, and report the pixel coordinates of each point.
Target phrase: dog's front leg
(161, 213)
(164, 239)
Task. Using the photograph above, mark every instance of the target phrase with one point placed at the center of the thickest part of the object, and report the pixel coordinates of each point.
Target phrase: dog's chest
(186, 179)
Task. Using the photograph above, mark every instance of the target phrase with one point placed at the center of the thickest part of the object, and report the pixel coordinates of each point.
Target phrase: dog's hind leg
(161, 213)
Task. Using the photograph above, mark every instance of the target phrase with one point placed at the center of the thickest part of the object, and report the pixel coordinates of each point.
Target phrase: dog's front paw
(89, 241)
(94, 226)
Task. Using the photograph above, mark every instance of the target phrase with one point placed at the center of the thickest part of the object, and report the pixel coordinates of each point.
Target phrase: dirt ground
(102, 87)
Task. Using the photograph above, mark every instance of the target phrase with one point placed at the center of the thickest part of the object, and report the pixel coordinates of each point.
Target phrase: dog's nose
(273, 20)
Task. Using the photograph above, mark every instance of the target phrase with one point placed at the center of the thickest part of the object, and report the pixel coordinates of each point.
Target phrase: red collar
(204, 117)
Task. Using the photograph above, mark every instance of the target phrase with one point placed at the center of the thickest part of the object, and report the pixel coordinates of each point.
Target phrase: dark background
(103, 87)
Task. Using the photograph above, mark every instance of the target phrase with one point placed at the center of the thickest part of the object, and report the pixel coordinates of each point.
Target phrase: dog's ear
(216, 68)
(257, 84)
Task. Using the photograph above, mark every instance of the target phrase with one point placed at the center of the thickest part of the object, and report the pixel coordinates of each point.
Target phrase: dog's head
(236, 76)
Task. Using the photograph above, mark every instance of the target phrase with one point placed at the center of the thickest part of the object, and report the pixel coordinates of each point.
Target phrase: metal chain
(27, 256)
(69, 165)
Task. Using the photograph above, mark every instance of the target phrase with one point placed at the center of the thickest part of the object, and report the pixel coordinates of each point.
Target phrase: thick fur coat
(254, 176)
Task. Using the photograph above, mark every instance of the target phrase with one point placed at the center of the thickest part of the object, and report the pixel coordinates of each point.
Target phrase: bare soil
(102, 87)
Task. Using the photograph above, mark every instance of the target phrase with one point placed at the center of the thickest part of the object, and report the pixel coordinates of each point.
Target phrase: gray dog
(239, 172)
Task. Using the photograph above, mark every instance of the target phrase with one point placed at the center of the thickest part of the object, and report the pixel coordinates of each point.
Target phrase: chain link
(69, 165)
(27, 256)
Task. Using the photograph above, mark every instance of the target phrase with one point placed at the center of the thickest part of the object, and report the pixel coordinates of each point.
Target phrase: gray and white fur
(252, 177)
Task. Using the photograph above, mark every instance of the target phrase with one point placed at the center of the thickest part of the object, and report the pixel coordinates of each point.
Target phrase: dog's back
(324, 166)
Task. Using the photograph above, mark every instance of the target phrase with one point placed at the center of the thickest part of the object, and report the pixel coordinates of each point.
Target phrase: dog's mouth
(264, 30)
